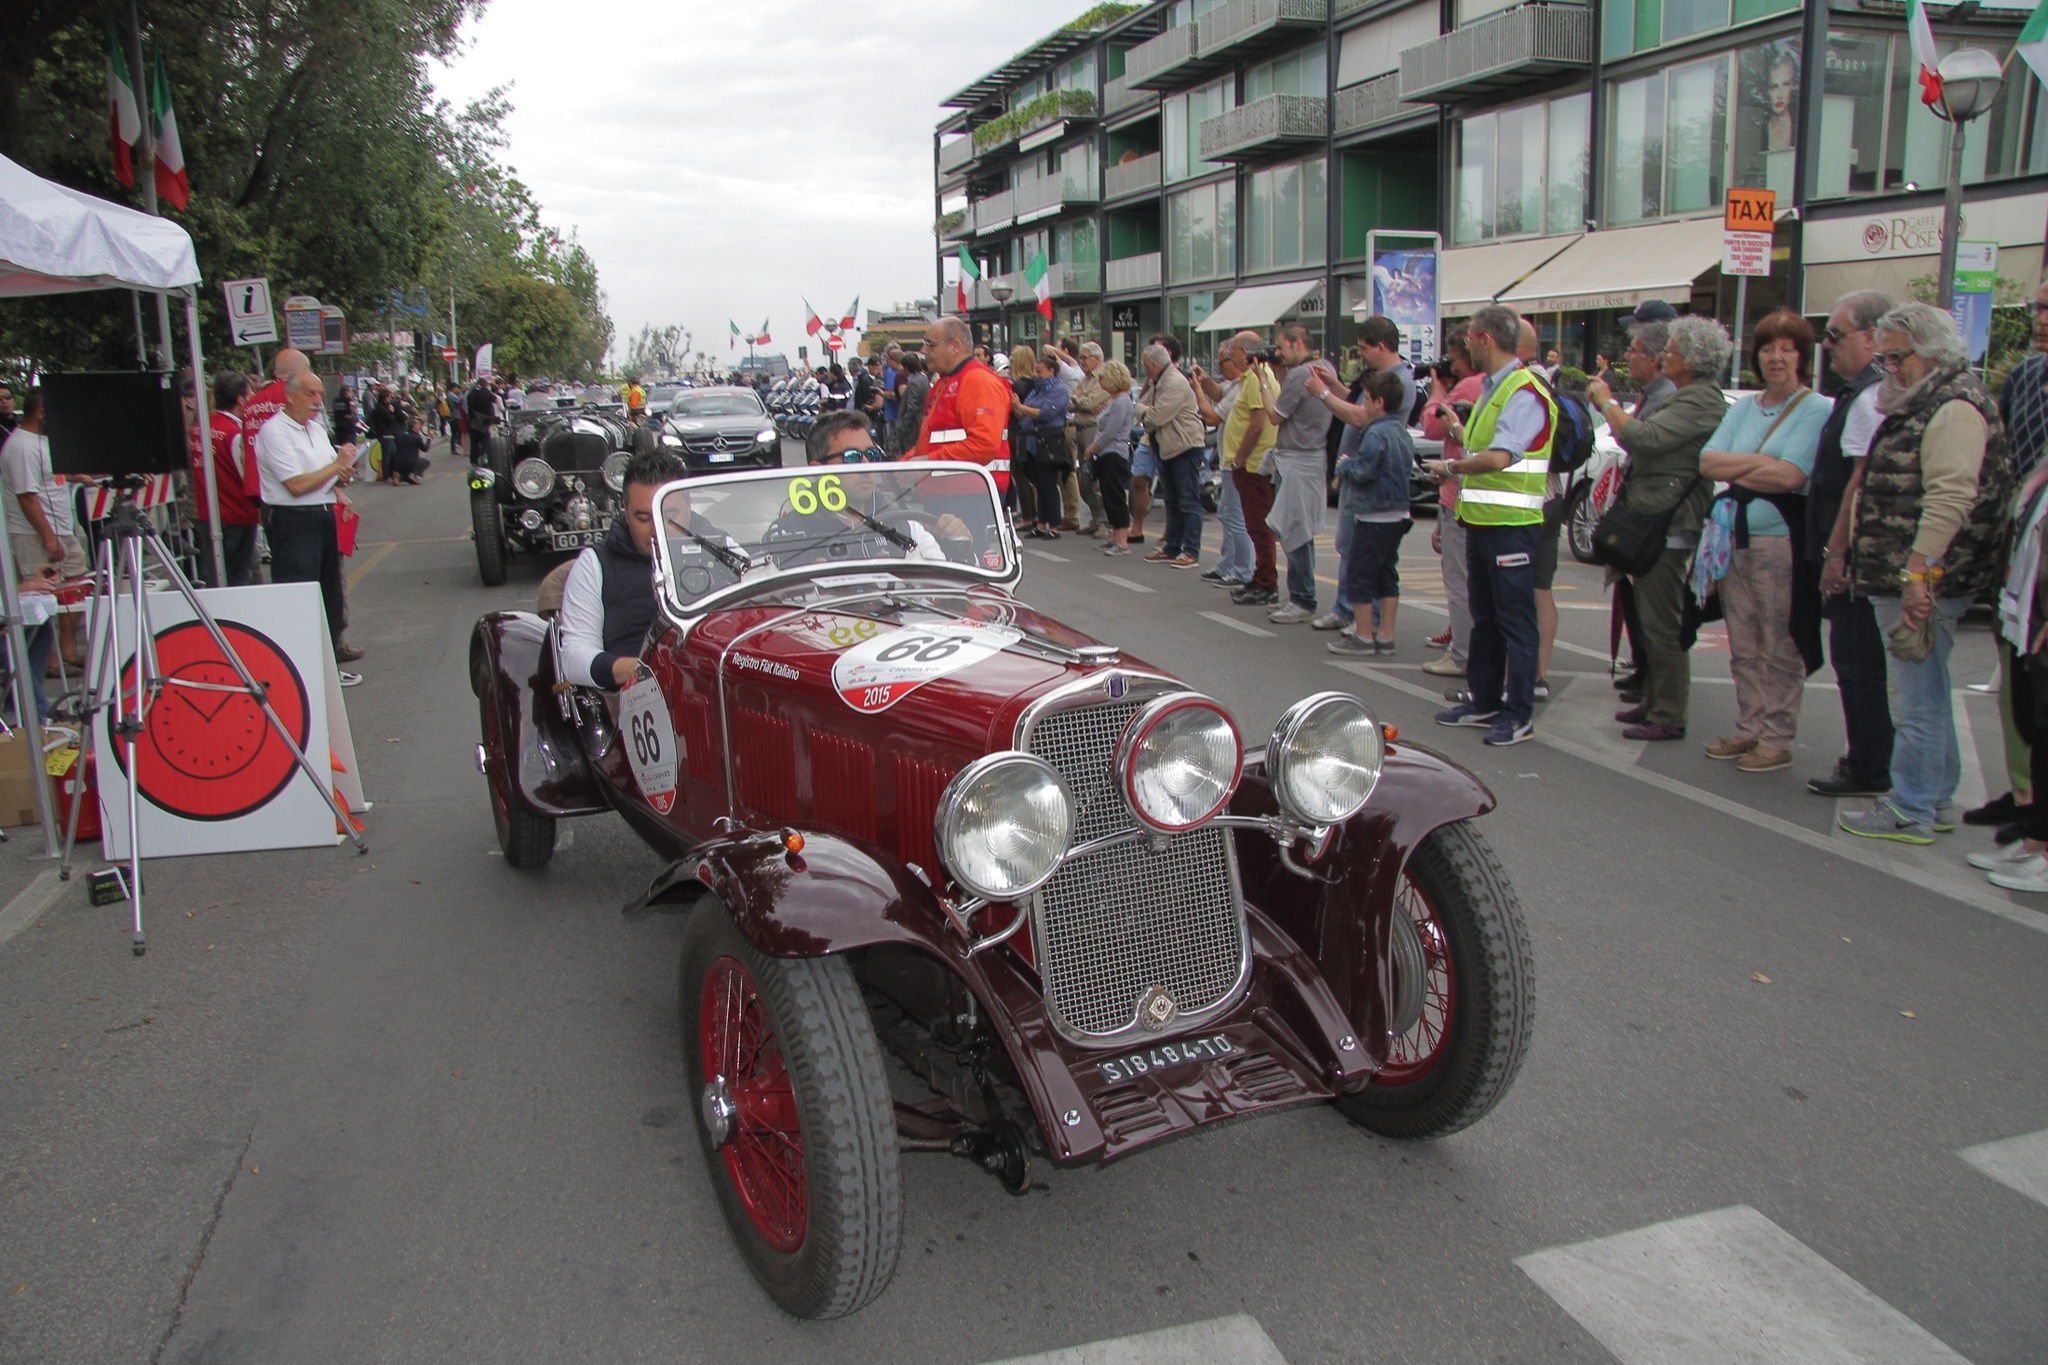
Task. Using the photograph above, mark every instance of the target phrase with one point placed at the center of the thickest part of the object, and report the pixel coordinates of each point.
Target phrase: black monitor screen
(116, 422)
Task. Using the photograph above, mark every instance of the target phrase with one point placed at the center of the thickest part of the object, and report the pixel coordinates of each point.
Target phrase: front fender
(512, 672)
(832, 897)
(1343, 916)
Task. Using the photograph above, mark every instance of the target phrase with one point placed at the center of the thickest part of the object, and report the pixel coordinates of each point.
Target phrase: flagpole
(146, 154)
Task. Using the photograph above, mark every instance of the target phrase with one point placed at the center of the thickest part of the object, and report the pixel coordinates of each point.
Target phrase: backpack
(1574, 443)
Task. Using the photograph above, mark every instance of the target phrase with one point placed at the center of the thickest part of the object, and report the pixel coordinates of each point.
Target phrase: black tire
(528, 840)
(643, 439)
(1579, 519)
(843, 1253)
(498, 451)
(489, 529)
(1450, 1071)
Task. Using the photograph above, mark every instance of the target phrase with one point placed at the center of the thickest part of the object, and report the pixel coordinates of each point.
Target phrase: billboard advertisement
(1404, 291)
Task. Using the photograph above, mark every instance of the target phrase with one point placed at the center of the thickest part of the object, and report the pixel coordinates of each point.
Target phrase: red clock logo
(209, 754)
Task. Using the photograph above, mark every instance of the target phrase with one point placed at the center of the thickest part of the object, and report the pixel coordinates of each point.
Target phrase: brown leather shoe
(1730, 748)
(1764, 760)
(1070, 525)
(347, 654)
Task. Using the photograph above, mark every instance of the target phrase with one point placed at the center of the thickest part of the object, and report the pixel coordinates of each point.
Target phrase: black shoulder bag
(1632, 541)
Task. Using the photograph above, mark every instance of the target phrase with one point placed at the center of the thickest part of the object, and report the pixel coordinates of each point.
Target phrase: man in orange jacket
(967, 412)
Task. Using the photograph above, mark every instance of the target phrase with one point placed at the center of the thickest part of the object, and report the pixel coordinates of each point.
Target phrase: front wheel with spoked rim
(794, 1115)
(1463, 993)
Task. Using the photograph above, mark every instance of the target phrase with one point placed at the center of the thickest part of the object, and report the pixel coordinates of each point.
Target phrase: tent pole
(205, 437)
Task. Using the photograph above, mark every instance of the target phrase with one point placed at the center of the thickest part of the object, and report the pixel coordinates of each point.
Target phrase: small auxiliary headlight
(1324, 758)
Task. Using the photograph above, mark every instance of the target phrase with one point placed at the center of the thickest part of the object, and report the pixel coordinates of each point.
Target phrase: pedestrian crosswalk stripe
(2020, 1163)
(1046, 555)
(1124, 583)
(1235, 1340)
(1249, 629)
(1723, 1286)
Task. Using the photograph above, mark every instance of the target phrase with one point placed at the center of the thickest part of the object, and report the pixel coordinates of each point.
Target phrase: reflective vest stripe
(997, 466)
(1529, 466)
(1495, 497)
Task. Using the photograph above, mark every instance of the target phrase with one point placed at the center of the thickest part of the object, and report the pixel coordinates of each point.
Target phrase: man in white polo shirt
(300, 470)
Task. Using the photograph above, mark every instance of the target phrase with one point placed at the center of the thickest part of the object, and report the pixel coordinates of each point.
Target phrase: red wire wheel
(1427, 991)
(764, 1155)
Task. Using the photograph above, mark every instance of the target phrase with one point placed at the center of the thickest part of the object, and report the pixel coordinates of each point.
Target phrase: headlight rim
(1140, 725)
(955, 793)
(519, 484)
(1288, 728)
(624, 460)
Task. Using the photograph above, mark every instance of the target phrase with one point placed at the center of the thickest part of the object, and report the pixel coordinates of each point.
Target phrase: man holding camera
(300, 471)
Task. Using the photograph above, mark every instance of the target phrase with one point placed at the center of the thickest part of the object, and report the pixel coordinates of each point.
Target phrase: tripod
(117, 580)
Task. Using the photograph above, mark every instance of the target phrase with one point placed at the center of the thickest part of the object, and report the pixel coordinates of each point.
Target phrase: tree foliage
(318, 157)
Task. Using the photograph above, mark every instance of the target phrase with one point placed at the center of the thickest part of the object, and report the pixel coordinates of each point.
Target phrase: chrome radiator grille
(1111, 926)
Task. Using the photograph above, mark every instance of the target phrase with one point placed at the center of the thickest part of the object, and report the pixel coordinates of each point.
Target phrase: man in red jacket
(234, 472)
(967, 411)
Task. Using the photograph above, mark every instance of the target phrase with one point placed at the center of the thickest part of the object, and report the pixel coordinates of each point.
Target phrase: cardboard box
(20, 759)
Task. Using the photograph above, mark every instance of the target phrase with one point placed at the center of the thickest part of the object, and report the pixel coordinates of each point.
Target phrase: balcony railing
(1067, 279)
(1264, 126)
(1118, 95)
(1372, 102)
(995, 212)
(1236, 29)
(1499, 54)
(1155, 63)
(1131, 177)
(1134, 272)
(955, 155)
(1050, 195)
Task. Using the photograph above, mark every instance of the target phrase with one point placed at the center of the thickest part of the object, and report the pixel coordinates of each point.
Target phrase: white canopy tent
(56, 240)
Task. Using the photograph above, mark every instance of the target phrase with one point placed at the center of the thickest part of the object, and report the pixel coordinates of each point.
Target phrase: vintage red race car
(911, 817)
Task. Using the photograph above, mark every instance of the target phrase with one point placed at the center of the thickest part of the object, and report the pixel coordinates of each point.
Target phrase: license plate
(1135, 1064)
(722, 457)
(574, 540)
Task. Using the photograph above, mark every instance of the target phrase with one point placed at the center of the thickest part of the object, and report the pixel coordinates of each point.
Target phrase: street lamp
(1000, 290)
(1970, 81)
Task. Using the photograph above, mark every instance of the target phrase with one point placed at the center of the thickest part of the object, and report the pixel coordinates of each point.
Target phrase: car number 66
(649, 751)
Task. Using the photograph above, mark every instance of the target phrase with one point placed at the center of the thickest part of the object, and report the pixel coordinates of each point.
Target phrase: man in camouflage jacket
(1929, 532)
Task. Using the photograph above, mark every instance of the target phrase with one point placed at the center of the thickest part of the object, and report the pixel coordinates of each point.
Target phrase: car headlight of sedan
(669, 438)
(765, 436)
(1179, 761)
(615, 470)
(533, 477)
(1325, 758)
(1003, 824)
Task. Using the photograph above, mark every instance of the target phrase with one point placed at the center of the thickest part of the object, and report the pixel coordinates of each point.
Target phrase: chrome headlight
(533, 478)
(615, 470)
(1325, 758)
(669, 438)
(1178, 762)
(1003, 824)
(765, 436)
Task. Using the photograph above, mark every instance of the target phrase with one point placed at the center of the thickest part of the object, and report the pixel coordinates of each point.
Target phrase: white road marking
(28, 907)
(1730, 1285)
(2020, 1163)
(1124, 583)
(1046, 555)
(1235, 1340)
(1941, 872)
(1222, 620)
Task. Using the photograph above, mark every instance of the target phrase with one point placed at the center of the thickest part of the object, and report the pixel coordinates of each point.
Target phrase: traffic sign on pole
(448, 354)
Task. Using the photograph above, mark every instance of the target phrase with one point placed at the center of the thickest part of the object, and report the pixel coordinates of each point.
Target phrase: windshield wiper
(724, 554)
(887, 532)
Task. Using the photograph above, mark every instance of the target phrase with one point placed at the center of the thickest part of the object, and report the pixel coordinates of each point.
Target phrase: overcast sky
(727, 160)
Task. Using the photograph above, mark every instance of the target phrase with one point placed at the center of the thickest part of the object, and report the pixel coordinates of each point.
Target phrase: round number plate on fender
(879, 672)
(651, 742)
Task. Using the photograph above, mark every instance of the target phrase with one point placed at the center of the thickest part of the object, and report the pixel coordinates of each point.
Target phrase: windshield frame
(682, 396)
(865, 577)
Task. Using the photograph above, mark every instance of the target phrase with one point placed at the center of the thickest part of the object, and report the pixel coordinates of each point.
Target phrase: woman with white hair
(1930, 522)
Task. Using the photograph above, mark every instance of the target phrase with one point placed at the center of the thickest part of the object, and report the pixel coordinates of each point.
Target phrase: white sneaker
(1998, 859)
(2031, 875)
(1293, 614)
(349, 679)
(1330, 620)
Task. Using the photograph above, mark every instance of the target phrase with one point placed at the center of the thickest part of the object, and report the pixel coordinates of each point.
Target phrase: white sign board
(250, 320)
(1745, 253)
(211, 775)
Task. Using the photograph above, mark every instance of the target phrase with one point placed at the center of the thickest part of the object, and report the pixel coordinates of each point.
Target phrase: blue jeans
(1926, 761)
(1301, 575)
(1235, 559)
(1501, 585)
(1182, 480)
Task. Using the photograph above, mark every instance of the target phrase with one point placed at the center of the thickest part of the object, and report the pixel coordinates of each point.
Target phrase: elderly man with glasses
(1930, 525)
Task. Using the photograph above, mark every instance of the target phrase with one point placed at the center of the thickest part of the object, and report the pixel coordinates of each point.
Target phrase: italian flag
(123, 117)
(171, 184)
(850, 319)
(735, 334)
(813, 324)
(2033, 44)
(764, 338)
(1922, 36)
(1039, 276)
(970, 271)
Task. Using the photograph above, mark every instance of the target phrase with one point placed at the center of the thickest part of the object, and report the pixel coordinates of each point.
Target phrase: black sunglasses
(871, 455)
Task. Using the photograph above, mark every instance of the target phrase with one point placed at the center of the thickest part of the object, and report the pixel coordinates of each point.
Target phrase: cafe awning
(1827, 281)
(1470, 277)
(1256, 305)
(1622, 267)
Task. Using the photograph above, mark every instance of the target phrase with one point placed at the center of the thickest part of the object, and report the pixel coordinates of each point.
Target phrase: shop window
(1876, 136)
(1298, 73)
(1201, 235)
(1766, 116)
(1182, 115)
(1286, 216)
(1695, 136)
(1636, 174)
(1522, 171)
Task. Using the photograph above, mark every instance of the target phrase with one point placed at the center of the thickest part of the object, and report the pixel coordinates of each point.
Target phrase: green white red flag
(123, 115)
(764, 338)
(813, 324)
(1921, 35)
(735, 334)
(970, 271)
(2033, 43)
(1039, 276)
(850, 319)
(171, 183)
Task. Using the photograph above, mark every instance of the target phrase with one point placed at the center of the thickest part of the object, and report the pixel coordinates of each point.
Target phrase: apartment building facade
(1197, 166)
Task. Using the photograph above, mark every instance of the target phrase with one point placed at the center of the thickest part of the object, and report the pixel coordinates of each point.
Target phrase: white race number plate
(651, 742)
(879, 672)
(1166, 1054)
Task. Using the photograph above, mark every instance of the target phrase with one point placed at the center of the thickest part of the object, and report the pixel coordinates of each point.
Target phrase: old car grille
(1113, 925)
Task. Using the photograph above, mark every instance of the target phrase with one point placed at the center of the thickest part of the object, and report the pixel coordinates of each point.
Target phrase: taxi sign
(1751, 211)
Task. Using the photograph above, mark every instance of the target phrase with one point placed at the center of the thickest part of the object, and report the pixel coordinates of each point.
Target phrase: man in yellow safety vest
(1500, 503)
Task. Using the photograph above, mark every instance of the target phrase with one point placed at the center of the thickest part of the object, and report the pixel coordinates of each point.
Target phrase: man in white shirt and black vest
(608, 598)
(300, 469)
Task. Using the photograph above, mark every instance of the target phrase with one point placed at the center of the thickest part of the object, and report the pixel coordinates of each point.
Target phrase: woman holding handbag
(1655, 521)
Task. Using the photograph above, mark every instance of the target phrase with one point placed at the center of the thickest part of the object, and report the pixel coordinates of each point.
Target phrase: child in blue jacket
(1372, 490)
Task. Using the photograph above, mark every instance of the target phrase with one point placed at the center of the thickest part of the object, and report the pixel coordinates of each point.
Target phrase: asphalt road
(419, 1106)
